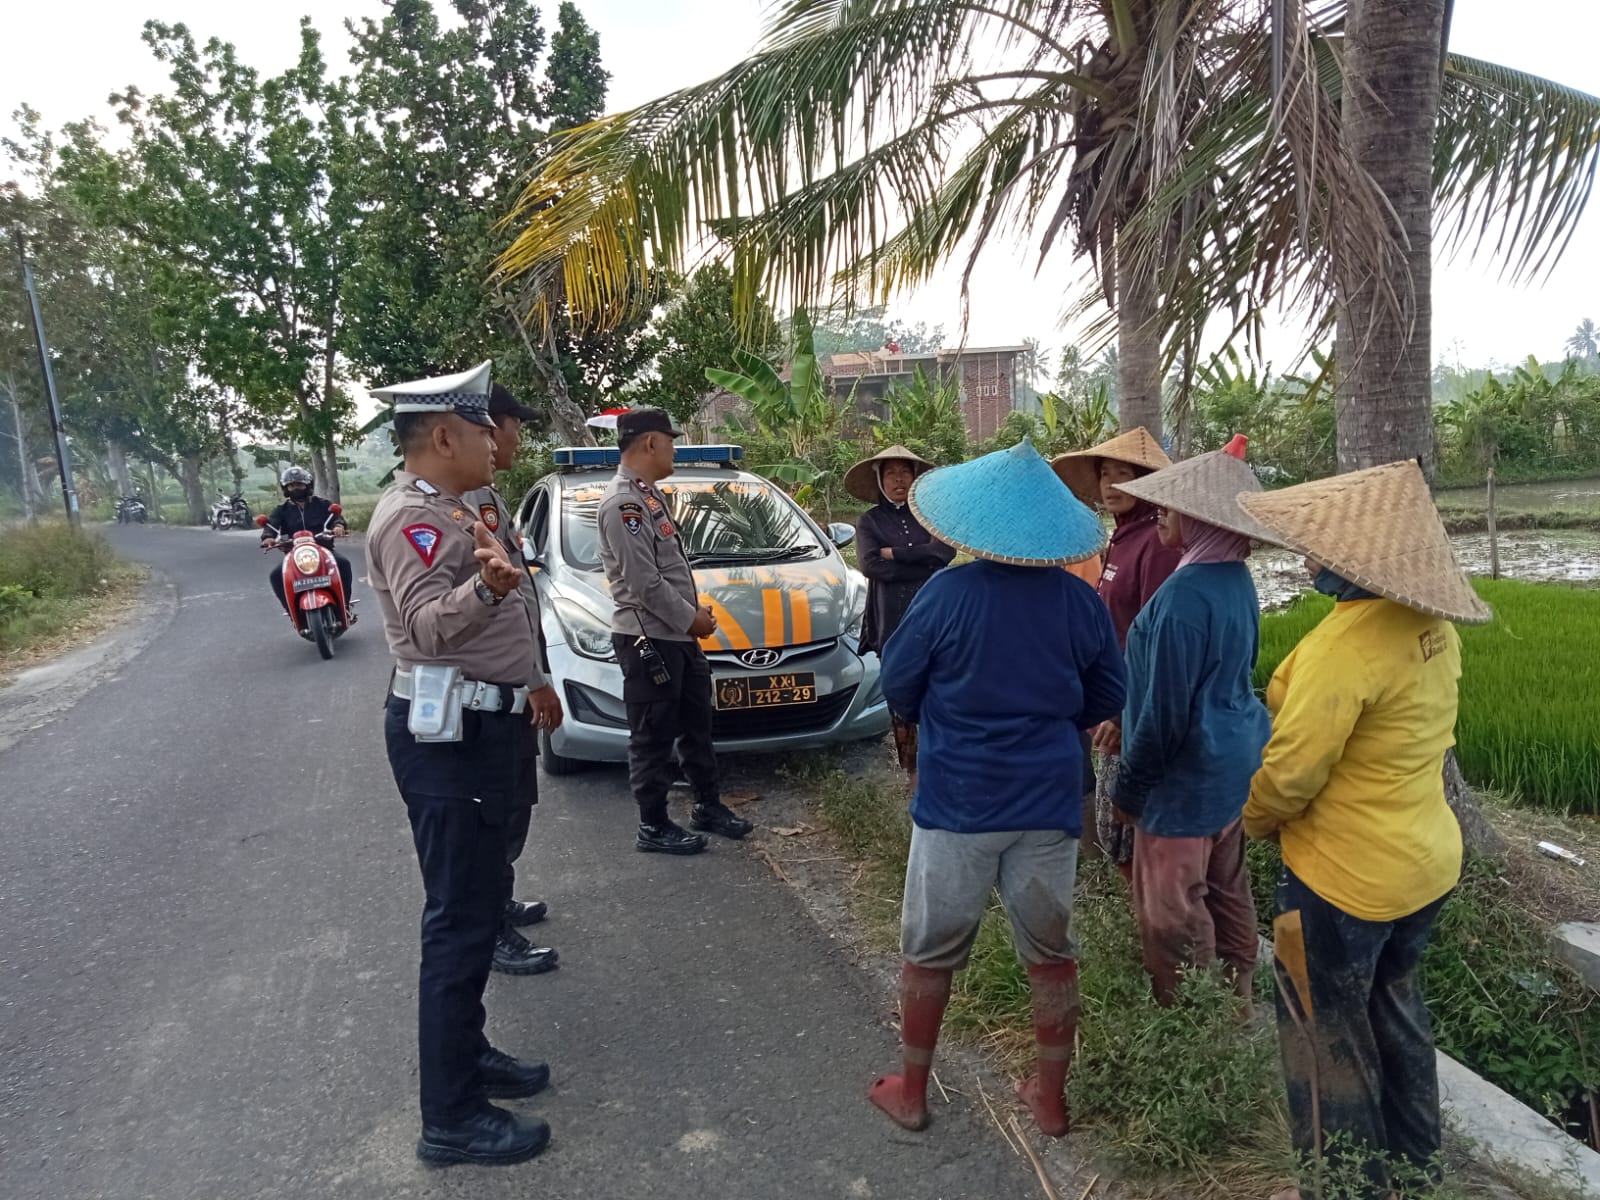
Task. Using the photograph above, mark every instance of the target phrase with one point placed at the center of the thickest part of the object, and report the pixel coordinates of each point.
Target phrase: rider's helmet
(296, 483)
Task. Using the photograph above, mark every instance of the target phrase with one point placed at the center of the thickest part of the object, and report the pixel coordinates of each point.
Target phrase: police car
(786, 671)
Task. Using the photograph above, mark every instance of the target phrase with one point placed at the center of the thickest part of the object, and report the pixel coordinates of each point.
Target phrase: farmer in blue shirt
(1193, 730)
(1002, 662)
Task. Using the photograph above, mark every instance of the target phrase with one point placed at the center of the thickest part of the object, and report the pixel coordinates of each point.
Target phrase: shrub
(1528, 680)
(49, 561)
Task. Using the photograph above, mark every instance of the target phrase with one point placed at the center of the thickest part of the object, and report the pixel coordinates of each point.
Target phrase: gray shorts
(948, 880)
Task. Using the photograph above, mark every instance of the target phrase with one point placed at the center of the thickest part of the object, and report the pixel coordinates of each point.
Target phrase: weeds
(1527, 723)
(47, 572)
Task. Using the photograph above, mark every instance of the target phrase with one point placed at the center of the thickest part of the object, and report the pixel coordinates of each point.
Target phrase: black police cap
(645, 420)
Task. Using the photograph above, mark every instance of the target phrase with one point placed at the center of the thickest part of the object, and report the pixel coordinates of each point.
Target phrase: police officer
(513, 953)
(303, 511)
(656, 629)
(451, 598)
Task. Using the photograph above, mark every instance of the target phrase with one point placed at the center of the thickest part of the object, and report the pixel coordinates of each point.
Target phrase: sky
(653, 46)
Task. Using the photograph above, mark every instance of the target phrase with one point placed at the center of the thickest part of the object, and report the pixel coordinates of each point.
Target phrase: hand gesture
(705, 624)
(1107, 737)
(499, 576)
(544, 708)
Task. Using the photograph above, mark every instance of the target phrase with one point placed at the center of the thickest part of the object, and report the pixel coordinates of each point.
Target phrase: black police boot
(667, 838)
(719, 818)
(525, 912)
(506, 1078)
(515, 955)
(492, 1138)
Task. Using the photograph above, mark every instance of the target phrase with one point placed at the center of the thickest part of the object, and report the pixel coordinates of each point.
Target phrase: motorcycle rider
(303, 511)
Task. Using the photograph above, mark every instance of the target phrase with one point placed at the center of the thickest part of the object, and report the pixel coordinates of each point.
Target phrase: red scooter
(312, 586)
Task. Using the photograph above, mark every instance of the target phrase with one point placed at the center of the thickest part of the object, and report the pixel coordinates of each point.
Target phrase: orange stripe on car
(730, 629)
(772, 616)
(800, 616)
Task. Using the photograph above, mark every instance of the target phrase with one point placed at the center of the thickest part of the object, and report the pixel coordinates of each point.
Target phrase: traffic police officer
(656, 628)
(451, 599)
(513, 953)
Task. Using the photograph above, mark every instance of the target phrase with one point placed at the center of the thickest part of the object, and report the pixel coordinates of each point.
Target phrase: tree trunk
(117, 464)
(194, 492)
(1384, 388)
(1138, 348)
(567, 420)
(330, 473)
(1384, 396)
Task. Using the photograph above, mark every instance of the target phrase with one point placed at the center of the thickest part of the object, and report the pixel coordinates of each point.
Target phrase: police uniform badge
(632, 517)
(424, 540)
(491, 516)
(664, 527)
(642, 486)
(652, 504)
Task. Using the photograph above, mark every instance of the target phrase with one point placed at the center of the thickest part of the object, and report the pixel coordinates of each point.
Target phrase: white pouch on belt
(435, 704)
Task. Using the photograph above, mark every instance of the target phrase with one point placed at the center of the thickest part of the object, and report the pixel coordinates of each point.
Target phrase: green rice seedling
(1529, 684)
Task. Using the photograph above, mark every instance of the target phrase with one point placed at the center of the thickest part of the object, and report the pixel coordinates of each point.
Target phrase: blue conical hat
(1009, 507)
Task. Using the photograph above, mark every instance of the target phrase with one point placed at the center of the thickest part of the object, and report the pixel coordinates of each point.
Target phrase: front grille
(779, 722)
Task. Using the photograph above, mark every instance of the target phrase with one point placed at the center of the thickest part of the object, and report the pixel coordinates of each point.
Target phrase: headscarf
(877, 469)
(1340, 588)
(1207, 543)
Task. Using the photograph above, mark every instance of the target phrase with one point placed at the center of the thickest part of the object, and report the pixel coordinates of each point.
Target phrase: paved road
(208, 914)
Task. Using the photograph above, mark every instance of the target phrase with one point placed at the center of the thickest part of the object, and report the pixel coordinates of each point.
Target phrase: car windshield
(720, 521)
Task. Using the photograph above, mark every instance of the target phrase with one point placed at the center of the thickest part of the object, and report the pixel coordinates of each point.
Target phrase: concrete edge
(40, 694)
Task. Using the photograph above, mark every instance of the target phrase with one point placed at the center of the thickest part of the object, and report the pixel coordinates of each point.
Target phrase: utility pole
(69, 493)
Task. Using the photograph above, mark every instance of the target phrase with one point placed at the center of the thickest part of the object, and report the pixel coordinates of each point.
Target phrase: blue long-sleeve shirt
(1193, 730)
(1001, 666)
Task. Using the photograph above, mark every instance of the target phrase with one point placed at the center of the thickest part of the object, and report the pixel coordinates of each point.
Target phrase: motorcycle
(318, 607)
(230, 512)
(132, 510)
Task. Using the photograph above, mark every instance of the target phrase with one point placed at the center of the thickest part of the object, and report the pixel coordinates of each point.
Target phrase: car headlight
(586, 633)
(855, 602)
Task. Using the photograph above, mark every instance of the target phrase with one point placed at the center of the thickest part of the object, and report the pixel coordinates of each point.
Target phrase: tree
(1584, 344)
(237, 189)
(1191, 148)
(452, 118)
(700, 329)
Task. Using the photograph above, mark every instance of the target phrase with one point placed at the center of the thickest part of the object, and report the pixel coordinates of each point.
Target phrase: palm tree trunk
(1384, 393)
(1138, 348)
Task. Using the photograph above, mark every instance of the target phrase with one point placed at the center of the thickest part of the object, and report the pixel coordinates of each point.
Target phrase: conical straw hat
(861, 480)
(1007, 507)
(1207, 488)
(1080, 470)
(1379, 529)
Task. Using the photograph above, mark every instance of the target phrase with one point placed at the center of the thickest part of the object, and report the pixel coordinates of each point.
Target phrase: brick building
(989, 379)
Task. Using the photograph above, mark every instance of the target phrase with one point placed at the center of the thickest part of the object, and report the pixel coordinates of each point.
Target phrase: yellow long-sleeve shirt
(1363, 711)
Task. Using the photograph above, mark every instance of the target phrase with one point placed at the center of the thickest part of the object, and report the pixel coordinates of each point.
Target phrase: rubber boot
(1055, 1029)
(924, 992)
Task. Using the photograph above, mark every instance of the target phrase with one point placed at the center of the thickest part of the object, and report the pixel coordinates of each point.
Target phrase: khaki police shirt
(421, 565)
(651, 584)
(493, 511)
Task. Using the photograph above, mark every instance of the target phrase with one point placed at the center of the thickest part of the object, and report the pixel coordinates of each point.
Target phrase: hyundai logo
(762, 657)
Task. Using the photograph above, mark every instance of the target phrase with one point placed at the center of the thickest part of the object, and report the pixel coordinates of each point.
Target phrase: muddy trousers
(668, 724)
(1357, 1045)
(1192, 898)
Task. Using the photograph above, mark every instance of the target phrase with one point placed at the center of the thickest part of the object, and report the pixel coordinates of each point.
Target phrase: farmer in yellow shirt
(1351, 785)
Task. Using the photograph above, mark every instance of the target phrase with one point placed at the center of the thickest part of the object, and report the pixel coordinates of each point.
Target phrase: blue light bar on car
(571, 457)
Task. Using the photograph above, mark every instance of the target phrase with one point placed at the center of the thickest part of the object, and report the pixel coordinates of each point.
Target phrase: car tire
(557, 764)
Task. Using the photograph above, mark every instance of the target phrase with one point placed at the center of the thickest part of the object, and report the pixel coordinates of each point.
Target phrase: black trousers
(662, 716)
(276, 578)
(1357, 1044)
(461, 798)
(517, 822)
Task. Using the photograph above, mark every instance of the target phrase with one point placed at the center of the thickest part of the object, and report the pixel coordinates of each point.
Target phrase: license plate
(312, 582)
(767, 691)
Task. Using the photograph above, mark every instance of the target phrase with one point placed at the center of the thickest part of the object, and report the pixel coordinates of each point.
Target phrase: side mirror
(261, 520)
(529, 556)
(336, 509)
(841, 535)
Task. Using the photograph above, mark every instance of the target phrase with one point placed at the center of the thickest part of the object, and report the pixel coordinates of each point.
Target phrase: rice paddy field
(1530, 690)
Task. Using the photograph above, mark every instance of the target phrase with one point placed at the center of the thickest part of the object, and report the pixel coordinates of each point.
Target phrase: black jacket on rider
(289, 518)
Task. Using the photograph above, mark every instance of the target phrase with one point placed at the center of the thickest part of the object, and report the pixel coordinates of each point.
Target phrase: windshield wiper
(774, 554)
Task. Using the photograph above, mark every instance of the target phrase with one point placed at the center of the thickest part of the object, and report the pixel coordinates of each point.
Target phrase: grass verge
(1528, 680)
(57, 588)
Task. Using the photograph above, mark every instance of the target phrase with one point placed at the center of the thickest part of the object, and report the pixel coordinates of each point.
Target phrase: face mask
(299, 494)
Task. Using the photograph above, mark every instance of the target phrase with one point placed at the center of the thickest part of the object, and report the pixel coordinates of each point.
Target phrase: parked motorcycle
(318, 606)
(230, 512)
(132, 510)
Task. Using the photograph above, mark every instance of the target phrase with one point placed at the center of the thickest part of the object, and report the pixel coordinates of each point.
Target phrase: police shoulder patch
(641, 485)
(491, 516)
(664, 527)
(632, 517)
(426, 488)
(424, 540)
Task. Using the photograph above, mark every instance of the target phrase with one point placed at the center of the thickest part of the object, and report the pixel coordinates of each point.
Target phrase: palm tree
(1584, 344)
(1190, 146)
